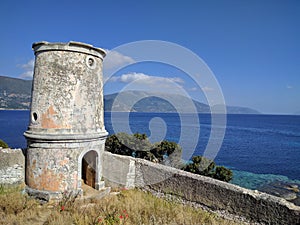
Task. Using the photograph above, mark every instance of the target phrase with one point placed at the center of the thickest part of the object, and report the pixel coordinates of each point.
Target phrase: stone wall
(217, 195)
(12, 167)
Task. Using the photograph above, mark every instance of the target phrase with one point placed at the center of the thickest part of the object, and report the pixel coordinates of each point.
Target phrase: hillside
(14, 93)
(157, 102)
(152, 102)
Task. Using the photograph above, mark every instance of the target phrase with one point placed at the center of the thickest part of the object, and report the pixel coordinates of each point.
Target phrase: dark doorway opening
(89, 168)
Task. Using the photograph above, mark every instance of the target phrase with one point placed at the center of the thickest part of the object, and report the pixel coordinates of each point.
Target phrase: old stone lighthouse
(66, 134)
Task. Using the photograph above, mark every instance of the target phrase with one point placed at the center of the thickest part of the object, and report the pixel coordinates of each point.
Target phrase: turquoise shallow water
(256, 181)
(277, 185)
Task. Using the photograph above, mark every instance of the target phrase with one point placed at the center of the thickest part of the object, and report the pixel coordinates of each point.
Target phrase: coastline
(9, 109)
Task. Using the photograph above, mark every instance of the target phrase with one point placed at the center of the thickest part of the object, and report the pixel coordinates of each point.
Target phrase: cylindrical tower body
(66, 117)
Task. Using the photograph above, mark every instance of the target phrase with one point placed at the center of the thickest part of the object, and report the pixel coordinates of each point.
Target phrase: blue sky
(252, 47)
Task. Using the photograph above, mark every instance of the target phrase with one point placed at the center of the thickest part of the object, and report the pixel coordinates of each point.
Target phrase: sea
(259, 149)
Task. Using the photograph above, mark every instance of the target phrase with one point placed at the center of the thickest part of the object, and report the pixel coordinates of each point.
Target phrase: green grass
(126, 207)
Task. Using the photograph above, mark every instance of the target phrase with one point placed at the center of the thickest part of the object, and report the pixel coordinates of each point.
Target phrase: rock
(293, 187)
(288, 191)
(289, 196)
(296, 201)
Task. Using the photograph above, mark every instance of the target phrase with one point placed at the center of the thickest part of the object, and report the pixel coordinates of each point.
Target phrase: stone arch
(88, 168)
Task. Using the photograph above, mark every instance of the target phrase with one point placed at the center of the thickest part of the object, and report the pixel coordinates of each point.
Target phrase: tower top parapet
(72, 46)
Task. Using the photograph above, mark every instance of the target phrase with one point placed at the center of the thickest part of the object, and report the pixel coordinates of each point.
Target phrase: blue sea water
(258, 148)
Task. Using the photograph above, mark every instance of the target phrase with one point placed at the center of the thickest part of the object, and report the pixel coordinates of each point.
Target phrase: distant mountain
(14, 93)
(237, 110)
(140, 101)
(241, 110)
(297, 113)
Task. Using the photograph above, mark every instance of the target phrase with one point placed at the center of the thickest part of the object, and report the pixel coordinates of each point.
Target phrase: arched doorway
(89, 168)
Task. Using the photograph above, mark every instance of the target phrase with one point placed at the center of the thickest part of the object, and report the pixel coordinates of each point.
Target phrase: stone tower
(66, 134)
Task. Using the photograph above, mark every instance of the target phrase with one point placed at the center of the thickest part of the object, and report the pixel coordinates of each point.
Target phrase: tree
(113, 145)
(139, 146)
(169, 153)
(206, 167)
(201, 165)
(222, 173)
(3, 144)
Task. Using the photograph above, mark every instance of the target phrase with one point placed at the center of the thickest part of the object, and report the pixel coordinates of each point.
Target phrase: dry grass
(127, 207)
(16, 208)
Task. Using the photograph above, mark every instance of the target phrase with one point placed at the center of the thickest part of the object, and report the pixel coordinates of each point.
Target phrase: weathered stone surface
(67, 96)
(12, 167)
(115, 169)
(66, 122)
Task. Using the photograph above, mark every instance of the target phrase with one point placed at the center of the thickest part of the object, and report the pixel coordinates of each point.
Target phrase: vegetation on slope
(203, 166)
(139, 146)
(124, 207)
(3, 144)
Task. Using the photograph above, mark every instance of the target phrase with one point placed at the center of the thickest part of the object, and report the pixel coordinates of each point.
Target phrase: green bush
(200, 165)
(136, 145)
(206, 167)
(222, 173)
(139, 146)
(3, 144)
(169, 153)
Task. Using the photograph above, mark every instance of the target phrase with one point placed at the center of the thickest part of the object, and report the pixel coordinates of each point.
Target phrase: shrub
(136, 145)
(222, 173)
(169, 153)
(139, 146)
(3, 144)
(206, 167)
(200, 165)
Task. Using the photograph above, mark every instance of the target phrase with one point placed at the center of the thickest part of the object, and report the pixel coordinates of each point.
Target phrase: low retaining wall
(255, 206)
(12, 167)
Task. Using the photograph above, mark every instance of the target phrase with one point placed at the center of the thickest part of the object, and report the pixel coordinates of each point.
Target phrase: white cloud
(115, 59)
(28, 69)
(193, 89)
(206, 89)
(289, 87)
(144, 82)
(146, 79)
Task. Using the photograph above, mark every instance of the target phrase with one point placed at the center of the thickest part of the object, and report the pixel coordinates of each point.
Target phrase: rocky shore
(288, 191)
